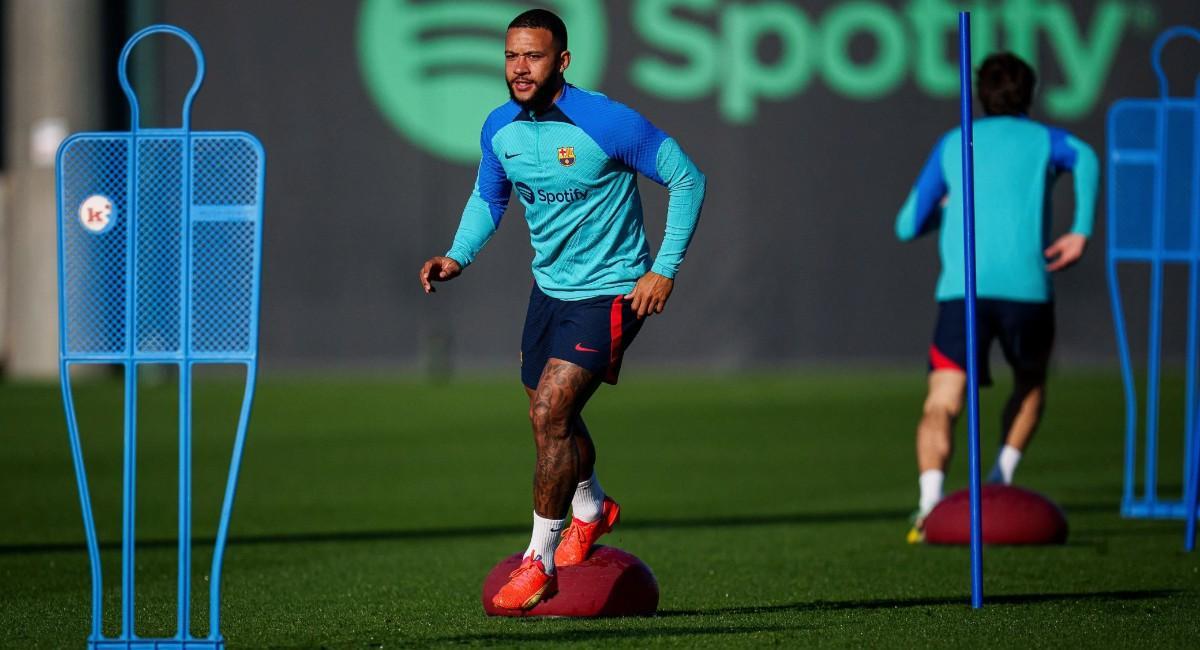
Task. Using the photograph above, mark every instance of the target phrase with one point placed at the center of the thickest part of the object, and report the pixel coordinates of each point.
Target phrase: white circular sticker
(96, 213)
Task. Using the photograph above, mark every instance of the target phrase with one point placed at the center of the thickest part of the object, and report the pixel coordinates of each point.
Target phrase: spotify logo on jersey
(435, 68)
(526, 192)
(529, 196)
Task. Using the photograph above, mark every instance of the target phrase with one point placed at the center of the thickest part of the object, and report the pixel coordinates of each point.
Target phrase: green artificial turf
(772, 509)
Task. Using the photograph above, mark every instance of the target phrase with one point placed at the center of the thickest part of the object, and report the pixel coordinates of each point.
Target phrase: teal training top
(575, 168)
(1016, 163)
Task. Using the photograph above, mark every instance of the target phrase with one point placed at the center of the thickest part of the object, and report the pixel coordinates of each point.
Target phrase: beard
(543, 93)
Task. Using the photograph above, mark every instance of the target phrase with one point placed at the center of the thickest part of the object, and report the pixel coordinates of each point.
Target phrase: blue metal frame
(966, 115)
(1123, 119)
(186, 354)
(1192, 453)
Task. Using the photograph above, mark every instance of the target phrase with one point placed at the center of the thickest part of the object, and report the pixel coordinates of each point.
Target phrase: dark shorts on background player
(592, 333)
(1025, 331)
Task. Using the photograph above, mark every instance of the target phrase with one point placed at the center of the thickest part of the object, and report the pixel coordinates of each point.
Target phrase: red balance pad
(610, 582)
(1011, 515)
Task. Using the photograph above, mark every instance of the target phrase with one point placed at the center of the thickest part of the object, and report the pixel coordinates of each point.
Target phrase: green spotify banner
(810, 118)
(685, 51)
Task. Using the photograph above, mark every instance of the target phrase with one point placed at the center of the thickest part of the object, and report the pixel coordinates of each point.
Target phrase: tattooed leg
(583, 440)
(562, 392)
(585, 448)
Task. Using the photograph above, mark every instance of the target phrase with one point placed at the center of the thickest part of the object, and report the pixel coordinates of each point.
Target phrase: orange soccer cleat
(578, 538)
(527, 585)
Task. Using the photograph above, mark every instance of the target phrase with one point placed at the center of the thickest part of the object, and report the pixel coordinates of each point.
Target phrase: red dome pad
(1011, 515)
(610, 582)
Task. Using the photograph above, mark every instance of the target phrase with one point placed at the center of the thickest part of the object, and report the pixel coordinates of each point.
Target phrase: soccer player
(1016, 163)
(573, 157)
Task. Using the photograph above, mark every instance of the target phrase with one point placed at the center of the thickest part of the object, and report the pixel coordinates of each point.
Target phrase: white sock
(1006, 463)
(588, 503)
(543, 542)
(931, 490)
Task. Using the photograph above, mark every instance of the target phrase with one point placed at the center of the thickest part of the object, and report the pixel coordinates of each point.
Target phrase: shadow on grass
(1156, 529)
(593, 636)
(551, 631)
(1092, 508)
(901, 603)
(477, 531)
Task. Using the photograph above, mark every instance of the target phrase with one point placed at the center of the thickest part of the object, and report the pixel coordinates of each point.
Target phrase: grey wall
(52, 90)
(794, 260)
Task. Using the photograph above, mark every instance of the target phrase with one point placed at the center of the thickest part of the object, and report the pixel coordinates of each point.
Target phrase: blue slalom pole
(968, 170)
(1192, 493)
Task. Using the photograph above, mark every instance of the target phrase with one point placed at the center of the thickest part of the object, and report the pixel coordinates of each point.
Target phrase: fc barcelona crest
(566, 156)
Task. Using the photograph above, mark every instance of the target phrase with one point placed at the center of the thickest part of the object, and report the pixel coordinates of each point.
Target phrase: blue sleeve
(1068, 153)
(486, 206)
(686, 187)
(620, 131)
(921, 212)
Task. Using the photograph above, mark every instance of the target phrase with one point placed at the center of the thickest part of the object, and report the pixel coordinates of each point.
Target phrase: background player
(573, 157)
(1016, 163)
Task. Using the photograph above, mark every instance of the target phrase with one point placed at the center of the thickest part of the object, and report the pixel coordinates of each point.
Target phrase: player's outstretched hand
(650, 294)
(1065, 251)
(438, 269)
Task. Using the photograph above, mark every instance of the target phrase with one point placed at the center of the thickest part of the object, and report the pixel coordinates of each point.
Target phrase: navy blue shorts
(1025, 331)
(592, 333)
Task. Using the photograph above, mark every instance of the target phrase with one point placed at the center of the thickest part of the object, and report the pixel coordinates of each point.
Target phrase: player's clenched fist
(438, 269)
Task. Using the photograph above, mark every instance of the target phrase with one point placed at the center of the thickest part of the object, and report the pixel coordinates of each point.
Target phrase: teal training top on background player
(575, 168)
(1016, 163)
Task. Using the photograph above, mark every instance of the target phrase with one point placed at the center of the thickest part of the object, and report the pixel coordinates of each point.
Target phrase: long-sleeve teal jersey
(575, 168)
(1016, 163)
